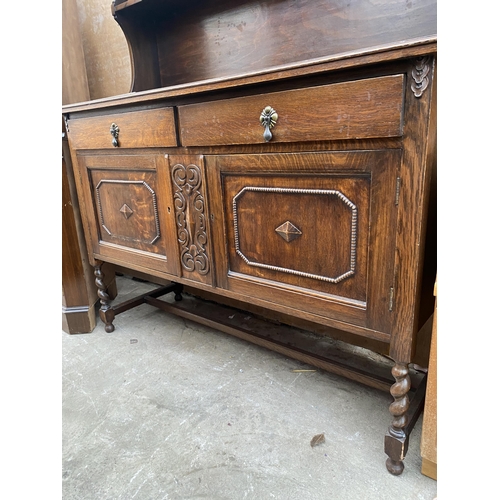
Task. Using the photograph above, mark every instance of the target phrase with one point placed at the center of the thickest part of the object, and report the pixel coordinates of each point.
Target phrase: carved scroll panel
(191, 218)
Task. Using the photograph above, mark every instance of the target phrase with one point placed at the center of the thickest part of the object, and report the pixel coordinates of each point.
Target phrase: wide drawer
(136, 129)
(350, 110)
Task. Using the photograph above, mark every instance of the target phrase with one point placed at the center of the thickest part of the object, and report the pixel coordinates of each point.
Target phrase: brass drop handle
(114, 130)
(268, 119)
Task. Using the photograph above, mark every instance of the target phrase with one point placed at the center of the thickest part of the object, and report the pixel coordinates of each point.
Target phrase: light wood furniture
(277, 156)
(428, 443)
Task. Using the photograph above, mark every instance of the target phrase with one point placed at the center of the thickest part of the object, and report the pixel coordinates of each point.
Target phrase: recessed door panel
(127, 205)
(304, 231)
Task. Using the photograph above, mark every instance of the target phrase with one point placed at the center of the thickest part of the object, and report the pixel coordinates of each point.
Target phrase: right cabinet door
(313, 232)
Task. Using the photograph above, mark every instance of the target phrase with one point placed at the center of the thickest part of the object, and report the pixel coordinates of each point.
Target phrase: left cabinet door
(127, 203)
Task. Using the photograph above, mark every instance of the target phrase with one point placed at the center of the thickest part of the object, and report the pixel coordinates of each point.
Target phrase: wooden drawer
(137, 129)
(352, 110)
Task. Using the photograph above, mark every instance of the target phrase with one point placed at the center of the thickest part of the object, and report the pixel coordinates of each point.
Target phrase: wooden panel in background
(202, 40)
(428, 443)
(74, 83)
(105, 48)
(79, 293)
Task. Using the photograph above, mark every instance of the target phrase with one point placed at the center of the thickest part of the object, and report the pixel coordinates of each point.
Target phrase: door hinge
(391, 298)
(398, 188)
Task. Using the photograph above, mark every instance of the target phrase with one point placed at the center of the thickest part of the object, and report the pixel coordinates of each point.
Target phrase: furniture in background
(79, 292)
(278, 156)
(428, 443)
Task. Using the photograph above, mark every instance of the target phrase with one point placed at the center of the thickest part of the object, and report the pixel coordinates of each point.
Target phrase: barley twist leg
(106, 313)
(396, 440)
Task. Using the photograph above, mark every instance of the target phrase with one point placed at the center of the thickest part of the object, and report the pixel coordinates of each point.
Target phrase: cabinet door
(128, 206)
(314, 232)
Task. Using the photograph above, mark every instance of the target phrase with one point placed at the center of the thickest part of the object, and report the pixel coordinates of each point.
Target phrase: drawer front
(127, 203)
(312, 231)
(147, 129)
(353, 110)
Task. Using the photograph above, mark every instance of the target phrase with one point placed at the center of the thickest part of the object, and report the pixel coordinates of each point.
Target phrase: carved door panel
(312, 231)
(187, 175)
(128, 204)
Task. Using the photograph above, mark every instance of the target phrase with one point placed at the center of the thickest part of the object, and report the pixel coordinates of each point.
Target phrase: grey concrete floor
(163, 408)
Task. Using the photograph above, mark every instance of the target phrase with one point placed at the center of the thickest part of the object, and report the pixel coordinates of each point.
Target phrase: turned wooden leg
(396, 440)
(106, 313)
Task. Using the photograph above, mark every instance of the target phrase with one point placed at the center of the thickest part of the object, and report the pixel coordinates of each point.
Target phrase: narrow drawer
(137, 129)
(351, 110)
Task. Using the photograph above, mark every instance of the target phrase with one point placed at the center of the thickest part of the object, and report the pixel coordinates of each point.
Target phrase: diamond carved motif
(288, 231)
(126, 211)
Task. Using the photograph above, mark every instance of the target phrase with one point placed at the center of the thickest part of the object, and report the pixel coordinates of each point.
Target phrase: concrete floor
(163, 408)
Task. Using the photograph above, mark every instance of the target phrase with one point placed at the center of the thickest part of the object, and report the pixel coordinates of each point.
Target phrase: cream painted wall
(105, 49)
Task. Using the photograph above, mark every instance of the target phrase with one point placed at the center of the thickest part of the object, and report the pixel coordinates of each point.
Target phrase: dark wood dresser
(276, 155)
(79, 292)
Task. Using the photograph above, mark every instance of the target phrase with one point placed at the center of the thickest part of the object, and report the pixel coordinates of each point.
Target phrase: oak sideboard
(280, 155)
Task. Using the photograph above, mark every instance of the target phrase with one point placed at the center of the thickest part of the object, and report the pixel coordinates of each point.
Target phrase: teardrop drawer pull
(268, 119)
(114, 130)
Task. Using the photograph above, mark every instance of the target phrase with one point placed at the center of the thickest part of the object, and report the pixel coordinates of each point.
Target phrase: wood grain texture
(325, 244)
(326, 223)
(190, 204)
(78, 291)
(79, 294)
(428, 443)
(105, 48)
(146, 128)
(202, 40)
(143, 50)
(75, 86)
(295, 321)
(418, 156)
(300, 70)
(127, 201)
(352, 110)
(332, 215)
